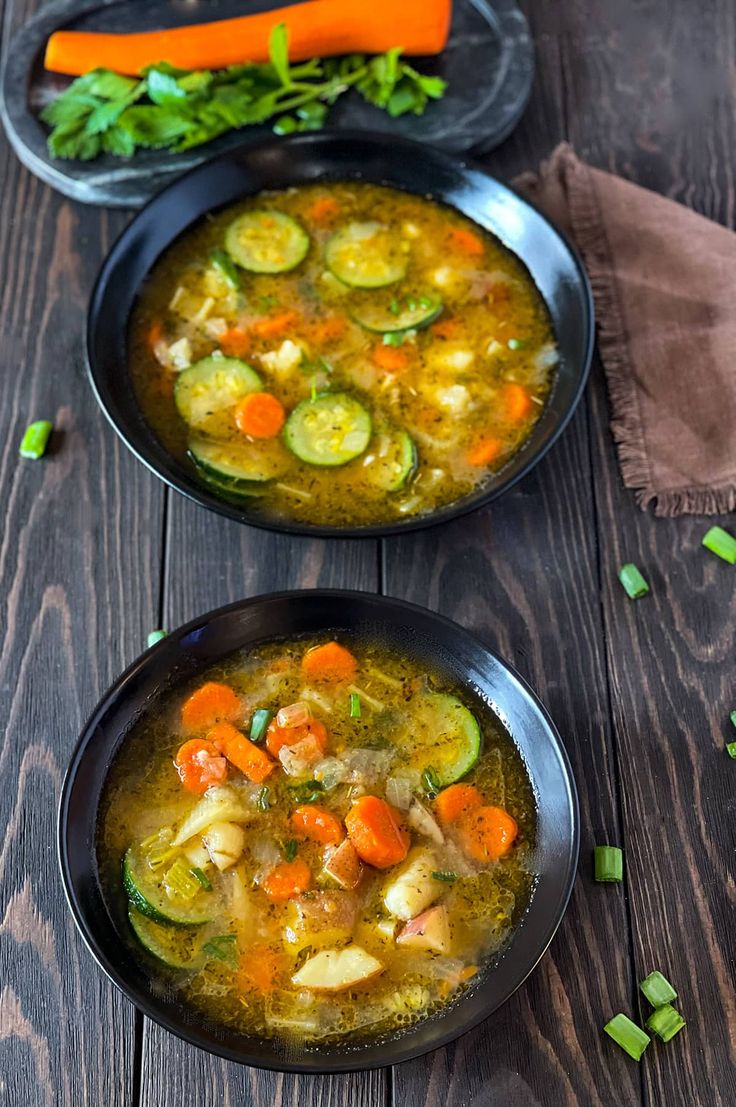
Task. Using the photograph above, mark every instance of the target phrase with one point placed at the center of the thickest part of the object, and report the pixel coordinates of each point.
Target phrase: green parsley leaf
(162, 88)
(290, 849)
(154, 126)
(278, 52)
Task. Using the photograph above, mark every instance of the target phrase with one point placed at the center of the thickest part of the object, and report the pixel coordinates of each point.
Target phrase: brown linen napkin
(664, 284)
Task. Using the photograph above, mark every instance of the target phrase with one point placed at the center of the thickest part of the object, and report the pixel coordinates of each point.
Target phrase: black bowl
(379, 159)
(437, 642)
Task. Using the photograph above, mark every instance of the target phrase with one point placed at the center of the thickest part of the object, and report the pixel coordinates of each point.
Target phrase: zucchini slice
(394, 462)
(446, 737)
(176, 947)
(331, 429)
(405, 313)
(213, 385)
(266, 242)
(237, 466)
(146, 892)
(366, 255)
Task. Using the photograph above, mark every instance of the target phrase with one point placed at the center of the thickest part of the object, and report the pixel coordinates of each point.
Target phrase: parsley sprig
(176, 109)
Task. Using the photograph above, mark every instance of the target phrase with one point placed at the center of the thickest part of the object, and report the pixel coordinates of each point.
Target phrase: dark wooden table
(94, 552)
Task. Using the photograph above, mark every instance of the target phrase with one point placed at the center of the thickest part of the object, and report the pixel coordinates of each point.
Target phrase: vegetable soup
(319, 840)
(341, 354)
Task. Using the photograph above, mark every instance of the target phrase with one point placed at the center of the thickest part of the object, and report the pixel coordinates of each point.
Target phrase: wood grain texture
(669, 659)
(70, 522)
(212, 561)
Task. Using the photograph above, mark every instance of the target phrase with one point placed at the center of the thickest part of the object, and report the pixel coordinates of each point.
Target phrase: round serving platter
(488, 65)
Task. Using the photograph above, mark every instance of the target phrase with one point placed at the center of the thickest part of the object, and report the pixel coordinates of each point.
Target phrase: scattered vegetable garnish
(441, 874)
(732, 717)
(259, 723)
(262, 802)
(326, 27)
(223, 947)
(309, 791)
(430, 781)
(628, 1035)
(290, 849)
(608, 862)
(203, 879)
(658, 989)
(354, 705)
(666, 1021)
(721, 543)
(35, 440)
(104, 112)
(731, 749)
(516, 343)
(633, 582)
(156, 636)
(226, 266)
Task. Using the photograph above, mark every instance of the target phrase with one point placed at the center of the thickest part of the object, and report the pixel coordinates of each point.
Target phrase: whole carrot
(317, 28)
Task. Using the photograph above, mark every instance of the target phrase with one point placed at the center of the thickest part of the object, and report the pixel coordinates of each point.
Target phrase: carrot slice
(517, 402)
(260, 415)
(318, 824)
(235, 342)
(445, 328)
(279, 736)
(454, 801)
(200, 764)
(242, 753)
(155, 333)
(374, 828)
(391, 358)
(209, 705)
(484, 451)
(286, 880)
(465, 241)
(259, 969)
(324, 209)
(329, 662)
(329, 329)
(273, 326)
(487, 833)
(319, 28)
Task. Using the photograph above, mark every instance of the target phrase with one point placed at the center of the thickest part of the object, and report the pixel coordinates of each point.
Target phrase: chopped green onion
(393, 338)
(425, 302)
(308, 791)
(666, 1021)
(34, 441)
(259, 723)
(394, 308)
(285, 125)
(732, 717)
(354, 705)
(633, 581)
(516, 343)
(731, 749)
(658, 989)
(226, 268)
(313, 390)
(155, 636)
(721, 543)
(430, 781)
(290, 849)
(628, 1035)
(443, 874)
(223, 948)
(203, 879)
(608, 863)
(262, 802)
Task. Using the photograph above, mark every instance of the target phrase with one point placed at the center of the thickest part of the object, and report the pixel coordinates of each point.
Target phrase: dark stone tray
(488, 63)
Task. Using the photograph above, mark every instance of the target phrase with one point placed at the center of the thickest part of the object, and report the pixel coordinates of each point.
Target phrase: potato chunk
(413, 888)
(334, 970)
(343, 864)
(430, 930)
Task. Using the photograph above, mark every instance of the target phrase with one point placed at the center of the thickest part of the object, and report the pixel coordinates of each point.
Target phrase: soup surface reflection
(341, 354)
(319, 840)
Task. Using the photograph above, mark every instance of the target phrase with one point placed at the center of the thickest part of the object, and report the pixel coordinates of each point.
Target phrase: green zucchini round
(176, 947)
(266, 242)
(329, 430)
(408, 313)
(394, 462)
(213, 385)
(366, 255)
(447, 737)
(144, 888)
